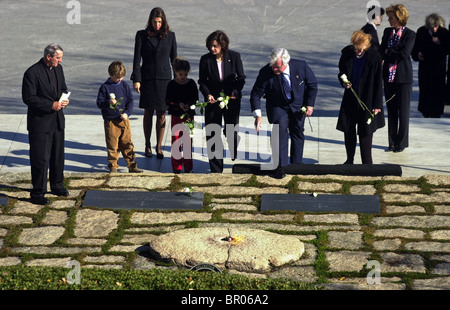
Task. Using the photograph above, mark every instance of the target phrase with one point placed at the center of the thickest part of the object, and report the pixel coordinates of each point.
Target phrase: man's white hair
(280, 53)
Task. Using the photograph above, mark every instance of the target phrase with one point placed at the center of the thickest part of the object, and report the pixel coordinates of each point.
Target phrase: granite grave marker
(369, 204)
(144, 200)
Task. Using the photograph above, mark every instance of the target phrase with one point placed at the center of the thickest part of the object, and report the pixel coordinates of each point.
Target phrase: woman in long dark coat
(430, 50)
(362, 67)
(221, 70)
(156, 46)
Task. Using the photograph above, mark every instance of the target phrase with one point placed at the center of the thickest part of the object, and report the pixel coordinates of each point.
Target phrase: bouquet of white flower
(223, 101)
(114, 103)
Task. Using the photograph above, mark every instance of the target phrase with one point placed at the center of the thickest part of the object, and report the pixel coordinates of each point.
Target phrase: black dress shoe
(160, 155)
(60, 192)
(39, 200)
(389, 149)
(399, 149)
(279, 173)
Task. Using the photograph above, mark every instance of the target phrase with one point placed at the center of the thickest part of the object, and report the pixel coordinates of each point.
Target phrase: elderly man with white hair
(290, 88)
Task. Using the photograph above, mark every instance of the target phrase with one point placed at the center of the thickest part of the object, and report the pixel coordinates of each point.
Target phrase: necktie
(286, 87)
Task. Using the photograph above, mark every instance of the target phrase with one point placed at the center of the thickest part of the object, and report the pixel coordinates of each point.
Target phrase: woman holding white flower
(221, 74)
(361, 112)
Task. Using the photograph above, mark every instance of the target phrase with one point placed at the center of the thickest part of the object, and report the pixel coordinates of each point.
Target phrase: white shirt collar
(287, 71)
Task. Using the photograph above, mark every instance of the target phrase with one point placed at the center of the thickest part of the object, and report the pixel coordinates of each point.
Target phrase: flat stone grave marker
(144, 200)
(369, 204)
(3, 201)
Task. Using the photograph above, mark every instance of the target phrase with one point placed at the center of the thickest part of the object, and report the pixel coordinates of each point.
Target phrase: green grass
(48, 278)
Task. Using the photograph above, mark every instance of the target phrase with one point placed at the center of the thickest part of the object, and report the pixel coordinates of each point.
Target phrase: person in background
(447, 88)
(116, 103)
(156, 46)
(290, 89)
(374, 19)
(221, 71)
(431, 48)
(42, 86)
(396, 47)
(182, 94)
(362, 67)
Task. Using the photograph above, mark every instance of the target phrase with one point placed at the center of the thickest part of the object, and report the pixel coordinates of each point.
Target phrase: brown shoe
(135, 170)
(112, 170)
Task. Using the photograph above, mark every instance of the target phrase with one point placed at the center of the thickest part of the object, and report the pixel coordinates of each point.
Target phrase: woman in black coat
(156, 46)
(430, 50)
(395, 49)
(362, 68)
(221, 70)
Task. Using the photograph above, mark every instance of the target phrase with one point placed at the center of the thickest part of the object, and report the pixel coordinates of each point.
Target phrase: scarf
(394, 39)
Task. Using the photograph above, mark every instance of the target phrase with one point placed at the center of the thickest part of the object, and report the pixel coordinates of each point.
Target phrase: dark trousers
(291, 125)
(46, 154)
(398, 113)
(365, 146)
(214, 115)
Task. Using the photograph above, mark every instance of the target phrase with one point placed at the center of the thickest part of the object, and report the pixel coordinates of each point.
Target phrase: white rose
(192, 107)
(220, 99)
(112, 96)
(345, 79)
(222, 105)
(303, 109)
(369, 121)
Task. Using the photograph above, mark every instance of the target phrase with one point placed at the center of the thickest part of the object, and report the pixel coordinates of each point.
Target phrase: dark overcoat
(432, 70)
(370, 91)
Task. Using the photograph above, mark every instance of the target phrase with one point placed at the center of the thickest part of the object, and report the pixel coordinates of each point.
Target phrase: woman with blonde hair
(361, 66)
(430, 50)
(396, 46)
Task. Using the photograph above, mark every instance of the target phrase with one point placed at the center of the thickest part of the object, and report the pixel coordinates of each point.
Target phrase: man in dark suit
(374, 19)
(288, 86)
(42, 87)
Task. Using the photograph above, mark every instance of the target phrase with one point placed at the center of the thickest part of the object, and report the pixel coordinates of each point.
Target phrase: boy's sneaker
(135, 170)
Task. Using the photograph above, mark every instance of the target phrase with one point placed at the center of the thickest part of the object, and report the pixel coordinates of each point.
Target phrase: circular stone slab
(250, 250)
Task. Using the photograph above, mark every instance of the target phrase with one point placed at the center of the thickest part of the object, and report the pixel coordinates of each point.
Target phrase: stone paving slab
(410, 237)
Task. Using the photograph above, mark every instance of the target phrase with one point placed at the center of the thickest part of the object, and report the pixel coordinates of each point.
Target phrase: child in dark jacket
(116, 103)
(182, 94)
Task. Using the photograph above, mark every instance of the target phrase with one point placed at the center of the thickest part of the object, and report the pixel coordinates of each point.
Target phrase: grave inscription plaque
(369, 204)
(144, 200)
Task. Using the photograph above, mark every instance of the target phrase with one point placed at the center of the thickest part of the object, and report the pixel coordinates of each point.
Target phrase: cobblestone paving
(407, 245)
